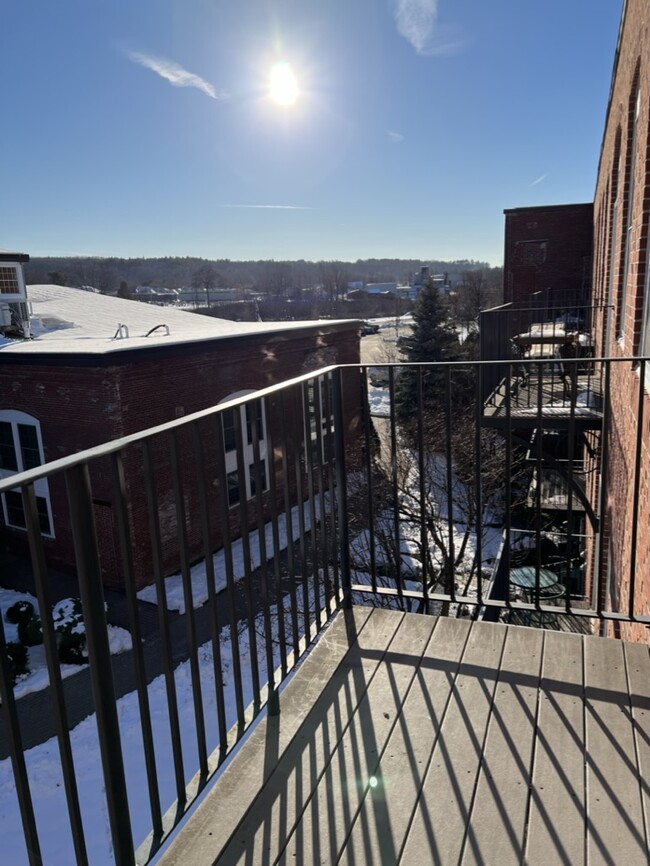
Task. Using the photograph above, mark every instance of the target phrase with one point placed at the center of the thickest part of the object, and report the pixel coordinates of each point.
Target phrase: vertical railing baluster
(288, 516)
(636, 489)
(254, 406)
(84, 536)
(450, 581)
(246, 556)
(479, 482)
(322, 422)
(268, 421)
(423, 492)
(54, 671)
(604, 518)
(163, 618)
(309, 416)
(188, 597)
(394, 468)
(570, 475)
(508, 482)
(368, 464)
(208, 557)
(332, 557)
(130, 590)
(224, 520)
(9, 715)
(298, 414)
(341, 486)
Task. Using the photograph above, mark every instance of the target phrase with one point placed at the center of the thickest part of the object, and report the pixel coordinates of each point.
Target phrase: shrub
(67, 617)
(30, 633)
(18, 655)
(21, 611)
(72, 648)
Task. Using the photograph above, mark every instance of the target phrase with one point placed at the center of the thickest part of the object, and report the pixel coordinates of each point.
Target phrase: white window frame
(247, 449)
(20, 295)
(41, 487)
(314, 386)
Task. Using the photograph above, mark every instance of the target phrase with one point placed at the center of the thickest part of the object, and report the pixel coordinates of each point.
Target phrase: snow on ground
(43, 764)
(379, 400)
(38, 678)
(198, 573)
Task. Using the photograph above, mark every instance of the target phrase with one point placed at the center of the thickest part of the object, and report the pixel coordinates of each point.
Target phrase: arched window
(252, 423)
(21, 448)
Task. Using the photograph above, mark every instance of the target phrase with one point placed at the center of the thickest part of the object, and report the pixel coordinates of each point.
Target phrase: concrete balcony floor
(413, 739)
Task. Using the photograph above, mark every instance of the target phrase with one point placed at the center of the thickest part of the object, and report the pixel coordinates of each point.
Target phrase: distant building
(99, 368)
(381, 288)
(548, 254)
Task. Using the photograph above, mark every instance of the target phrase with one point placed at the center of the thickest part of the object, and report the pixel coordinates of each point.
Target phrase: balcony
(369, 698)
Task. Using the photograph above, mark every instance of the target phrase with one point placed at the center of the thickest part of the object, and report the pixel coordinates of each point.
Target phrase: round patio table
(525, 577)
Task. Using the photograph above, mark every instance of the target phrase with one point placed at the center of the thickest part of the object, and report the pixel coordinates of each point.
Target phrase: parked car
(369, 328)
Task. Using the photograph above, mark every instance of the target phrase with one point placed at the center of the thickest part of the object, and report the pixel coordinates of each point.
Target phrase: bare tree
(206, 277)
(429, 511)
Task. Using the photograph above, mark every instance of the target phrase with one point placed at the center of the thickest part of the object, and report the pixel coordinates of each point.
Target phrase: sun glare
(283, 87)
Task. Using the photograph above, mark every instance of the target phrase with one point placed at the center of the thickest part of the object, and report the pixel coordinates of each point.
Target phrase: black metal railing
(252, 522)
(543, 331)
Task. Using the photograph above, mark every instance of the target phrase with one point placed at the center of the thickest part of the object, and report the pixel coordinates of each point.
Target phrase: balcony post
(101, 675)
(341, 487)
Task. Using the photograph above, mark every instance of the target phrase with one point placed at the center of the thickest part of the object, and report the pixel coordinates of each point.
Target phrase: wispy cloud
(417, 22)
(539, 179)
(270, 206)
(174, 73)
(395, 136)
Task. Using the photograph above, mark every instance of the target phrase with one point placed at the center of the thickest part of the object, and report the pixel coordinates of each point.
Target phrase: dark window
(29, 449)
(16, 514)
(251, 473)
(254, 410)
(8, 459)
(229, 434)
(232, 480)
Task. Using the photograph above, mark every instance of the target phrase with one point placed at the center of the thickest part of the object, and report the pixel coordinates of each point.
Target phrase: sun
(283, 87)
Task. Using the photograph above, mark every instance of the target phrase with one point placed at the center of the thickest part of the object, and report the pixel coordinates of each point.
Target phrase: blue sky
(145, 127)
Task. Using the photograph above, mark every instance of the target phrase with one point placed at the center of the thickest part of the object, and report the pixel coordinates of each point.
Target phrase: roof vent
(157, 327)
(122, 332)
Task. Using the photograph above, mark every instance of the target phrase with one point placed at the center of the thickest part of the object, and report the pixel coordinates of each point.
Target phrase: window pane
(8, 281)
(29, 449)
(43, 516)
(15, 513)
(7, 451)
(229, 438)
(232, 480)
(254, 410)
(251, 473)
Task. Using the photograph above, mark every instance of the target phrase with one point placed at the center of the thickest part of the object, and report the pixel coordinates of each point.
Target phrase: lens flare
(283, 87)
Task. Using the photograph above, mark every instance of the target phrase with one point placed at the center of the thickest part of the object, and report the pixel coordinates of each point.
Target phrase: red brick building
(100, 368)
(622, 282)
(548, 251)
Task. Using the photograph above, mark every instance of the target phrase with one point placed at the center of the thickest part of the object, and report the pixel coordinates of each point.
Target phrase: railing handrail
(29, 476)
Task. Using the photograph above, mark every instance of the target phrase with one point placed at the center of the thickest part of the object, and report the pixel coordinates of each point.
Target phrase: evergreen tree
(433, 338)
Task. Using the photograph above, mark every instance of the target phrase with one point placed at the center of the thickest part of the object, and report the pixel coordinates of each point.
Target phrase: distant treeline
(280, 279)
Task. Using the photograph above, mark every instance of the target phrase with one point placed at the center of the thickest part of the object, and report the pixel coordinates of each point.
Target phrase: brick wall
(620, 275)
(81, 406)
(548, 250)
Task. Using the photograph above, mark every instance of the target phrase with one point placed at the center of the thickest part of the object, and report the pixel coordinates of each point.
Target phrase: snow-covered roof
(67, 320)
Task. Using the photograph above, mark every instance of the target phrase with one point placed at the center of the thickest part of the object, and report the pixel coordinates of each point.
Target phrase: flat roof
(69, 321)
(11, 256)
(581, 204)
